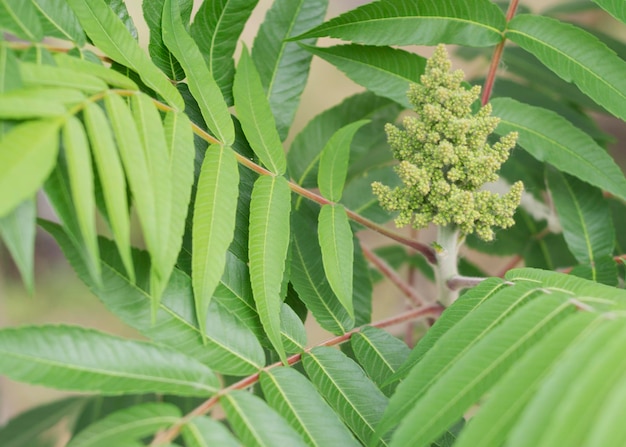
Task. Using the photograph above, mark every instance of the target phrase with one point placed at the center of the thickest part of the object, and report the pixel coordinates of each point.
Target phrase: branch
(463, 282)
(171, 433)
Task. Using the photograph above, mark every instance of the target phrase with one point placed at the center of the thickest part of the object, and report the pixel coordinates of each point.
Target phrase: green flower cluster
(445, 158)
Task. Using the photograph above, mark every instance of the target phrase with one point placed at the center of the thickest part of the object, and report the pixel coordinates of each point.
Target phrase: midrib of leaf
(380, 355)
(58, 27)
(265, 234)
(246, 421)
(17, 20)
(103, 434)
(105, 31)
(259, 133)
(215, 33)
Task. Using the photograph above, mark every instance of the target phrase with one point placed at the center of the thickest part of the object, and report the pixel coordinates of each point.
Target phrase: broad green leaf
(20, 18)
(606, 428)
(98, 407)
(17, 230)
(334, 158)
(297, 400)
(429, 22)
(284, 66)
(112, 180)
(614, 7)
(26, 103)
(308, 277)
(344, 385)
(230, 347)
(363, 289)
(292, 330)
(213, 223)
(379, 353)
(54, 97)
(127, 425)
(28, 153)
(216, 29)
(507, 400)
(584, 216)
(121, 11)
(39, 75)
(59, 21)
(79, 168)
(386, 71)
(463, 383)
(110, 35)
(269, 240)
(335, 239)
(203, 431)
(250, 419)
(111, 77)
(74, 358)
(576, 56)
(257, 121)
(550, 138)
(10, 78)
(201, 82)
(618, 215)
(603, 270)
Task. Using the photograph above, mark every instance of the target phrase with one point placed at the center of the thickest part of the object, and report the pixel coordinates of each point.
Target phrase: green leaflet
(584, 216)
(23, 171)
(111, 77)
(213, 223)
(333, 167)
(127, 425)
(230, 347)
(73, 358)
(297, 400)
(257, 121)
(78, 159)
(17, 229)
(575, 56)
(347, 389)
(284, 66)
(550, 138)
(335, 239)
(20, 18)
(110, 35)
(216, 29)
(27, 103)
(429, 22)
(250, 418)
(201, 82)
(269, 240)
(40, 75)
(613, 7)
(385, 71)
(203, 431)
(59, 21)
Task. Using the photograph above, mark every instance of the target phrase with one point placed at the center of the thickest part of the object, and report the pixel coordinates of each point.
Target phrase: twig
(463, 282)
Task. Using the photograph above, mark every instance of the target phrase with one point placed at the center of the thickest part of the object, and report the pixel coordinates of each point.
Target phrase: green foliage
(250, 225)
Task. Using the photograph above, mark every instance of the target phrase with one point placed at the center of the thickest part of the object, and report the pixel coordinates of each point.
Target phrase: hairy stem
(447, 259)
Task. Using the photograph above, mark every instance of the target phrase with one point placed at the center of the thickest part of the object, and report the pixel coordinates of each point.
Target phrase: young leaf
(347, 389)
(127, 425)
(111, 77)
(385, 71)
(396, 22)
(17, 230)
(335, 239)
(20, 18)
(201, 82)
(110, 35)
(28, 153)
(203, 431)
(283, 66)
(297, 400)
(73, 358)
(269, 240)
(576, 56)
(43, 75)
(614, 7)
(112, 180)
(257, 121)
(213, 223)
(59, 21)
(27, 103)
(216, 29)
(250, 419)
(550, 138)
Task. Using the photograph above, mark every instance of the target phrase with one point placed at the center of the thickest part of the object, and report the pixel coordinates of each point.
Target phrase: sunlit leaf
(40, 75)
(59, 21)
(111, 77)
(203, 431)
(20, 18)
(27, 103)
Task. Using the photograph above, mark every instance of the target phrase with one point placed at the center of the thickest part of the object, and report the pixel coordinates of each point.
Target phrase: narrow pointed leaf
(216, 29)
(127, 425)
(386, 71)
(250, 418)
(363, 290)
(334, 158)
(59, 21)
(108, 75)
(26, 103)
(550, 138)
(297, 400)
(584, 216)
(576, 56)
(335, 239)
(213, 223)
(20, 18)
(73, 358)
(36, 75)
(17, 230)
(27, 155)
(110, 35)
(112, 180)
(257, 121)
(614, 7)
(429, 22)
(201, 82)
(203, 431)
(269, 240)
(284, 66)
(347, 389)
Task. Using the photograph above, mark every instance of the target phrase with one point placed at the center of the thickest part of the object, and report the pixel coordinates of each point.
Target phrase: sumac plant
(245, 236)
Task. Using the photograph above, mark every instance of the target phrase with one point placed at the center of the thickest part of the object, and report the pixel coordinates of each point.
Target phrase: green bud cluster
(445, 159)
